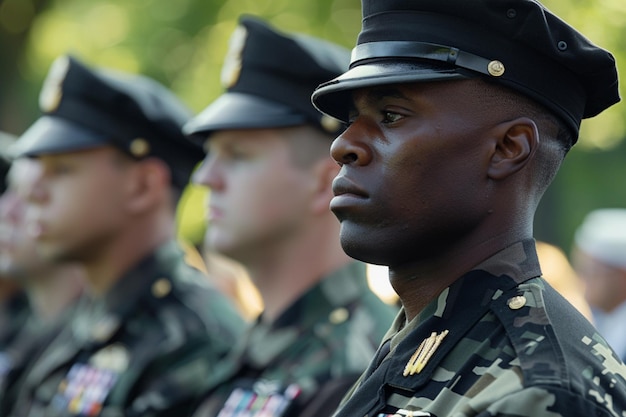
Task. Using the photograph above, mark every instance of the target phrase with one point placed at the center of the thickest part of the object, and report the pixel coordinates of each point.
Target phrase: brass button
(495, 68)
(517, 302)
(339, 315)
(161, 288)
(139, 147)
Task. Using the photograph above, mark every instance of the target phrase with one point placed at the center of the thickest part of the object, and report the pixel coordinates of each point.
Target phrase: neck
(121, 255)
(286, 271)
(51, 293)
(420, 282)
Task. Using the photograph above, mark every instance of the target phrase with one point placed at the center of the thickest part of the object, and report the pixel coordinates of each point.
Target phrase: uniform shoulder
(556, 346)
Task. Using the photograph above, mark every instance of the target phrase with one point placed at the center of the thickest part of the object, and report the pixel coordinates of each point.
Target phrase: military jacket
(303, 363)
(27, 345)
(141, 350)
(498, 342)
(14, 313)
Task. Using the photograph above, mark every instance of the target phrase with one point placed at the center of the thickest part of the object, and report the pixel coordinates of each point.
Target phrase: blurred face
(413, 178)
(78, 202)
(605, 286)
(18, 256)
(258, 197)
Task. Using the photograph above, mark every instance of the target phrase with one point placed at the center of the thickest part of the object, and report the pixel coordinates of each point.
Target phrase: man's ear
(516, 142)
(151, 182)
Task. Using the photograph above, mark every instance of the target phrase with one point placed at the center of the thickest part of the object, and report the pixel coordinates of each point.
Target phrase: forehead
(411, 91)
(254, 138)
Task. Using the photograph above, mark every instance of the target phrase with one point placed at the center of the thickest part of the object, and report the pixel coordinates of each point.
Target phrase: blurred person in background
(14, 308)
(111, 164)
(51, 288)
(557, 270)
(269, 173)
(599, 257)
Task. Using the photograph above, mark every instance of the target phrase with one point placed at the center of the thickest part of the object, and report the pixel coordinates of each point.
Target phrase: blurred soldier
(51, 288)
(599, 257)
(559, 273)
(269, 171)
(112, 163)
(461, 113)
(14, 308)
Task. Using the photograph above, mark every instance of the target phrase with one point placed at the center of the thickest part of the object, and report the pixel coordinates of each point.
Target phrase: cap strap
(420, 50)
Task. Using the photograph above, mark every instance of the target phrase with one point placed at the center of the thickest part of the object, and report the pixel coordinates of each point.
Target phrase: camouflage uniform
(501, 343)
(138, 351)
(304, 362)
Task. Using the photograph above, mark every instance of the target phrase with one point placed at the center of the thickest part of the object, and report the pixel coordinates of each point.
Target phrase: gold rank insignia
(423, 353)
(115, 357)
(52, 90)
(233, 61)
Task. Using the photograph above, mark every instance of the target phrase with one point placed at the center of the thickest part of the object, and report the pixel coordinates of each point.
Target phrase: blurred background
(182, 43)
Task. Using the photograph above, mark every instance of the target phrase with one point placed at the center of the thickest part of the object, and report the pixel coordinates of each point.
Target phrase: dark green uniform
(33, 337)
(14, 312)
(139, 351)
(498, 342)
(303, 362)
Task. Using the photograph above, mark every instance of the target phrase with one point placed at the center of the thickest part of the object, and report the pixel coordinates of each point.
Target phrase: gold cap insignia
(233, 60)
(423, 353)
(139, 147)
(495, 68)
(52, 91)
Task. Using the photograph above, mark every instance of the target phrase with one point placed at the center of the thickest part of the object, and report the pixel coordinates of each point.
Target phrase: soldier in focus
(460, 114)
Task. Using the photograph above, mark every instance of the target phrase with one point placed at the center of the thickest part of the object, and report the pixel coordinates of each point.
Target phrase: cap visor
(242, 111)
(51, 134)
(335, 97)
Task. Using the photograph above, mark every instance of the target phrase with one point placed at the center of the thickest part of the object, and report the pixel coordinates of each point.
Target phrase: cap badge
(495, 68)
(233, 60)
(423, 353)
(52, 91)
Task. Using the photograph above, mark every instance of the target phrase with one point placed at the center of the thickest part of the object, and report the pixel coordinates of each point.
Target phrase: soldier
(14, 308)
(112, 163)
(460, 114)
(50, 287)
(269, 171)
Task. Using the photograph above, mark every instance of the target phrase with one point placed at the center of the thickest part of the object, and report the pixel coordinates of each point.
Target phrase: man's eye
(390, 117)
